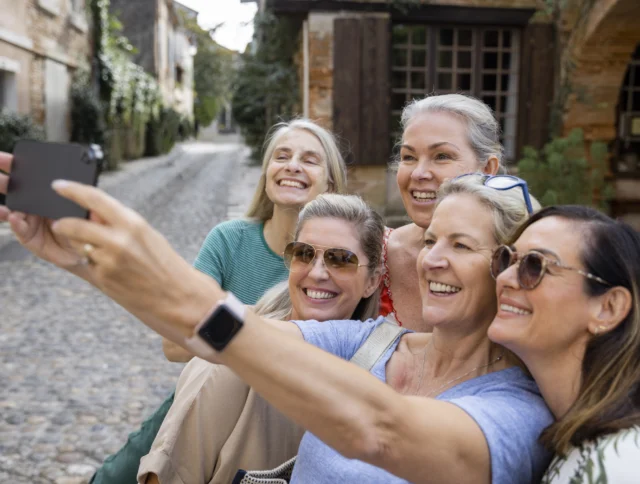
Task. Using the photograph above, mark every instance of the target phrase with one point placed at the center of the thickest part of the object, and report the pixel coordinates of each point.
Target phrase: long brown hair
(609, 395)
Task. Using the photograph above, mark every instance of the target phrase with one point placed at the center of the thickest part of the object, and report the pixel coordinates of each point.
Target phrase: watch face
(220, 328)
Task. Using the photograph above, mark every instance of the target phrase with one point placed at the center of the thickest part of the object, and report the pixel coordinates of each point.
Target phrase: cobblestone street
(77, 373)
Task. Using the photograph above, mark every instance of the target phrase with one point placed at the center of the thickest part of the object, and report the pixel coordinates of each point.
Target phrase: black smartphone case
(36, 164)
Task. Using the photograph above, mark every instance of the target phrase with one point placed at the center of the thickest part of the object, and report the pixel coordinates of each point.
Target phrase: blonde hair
(507, 206)
(261, 208)
(483, 130)
(276, 303)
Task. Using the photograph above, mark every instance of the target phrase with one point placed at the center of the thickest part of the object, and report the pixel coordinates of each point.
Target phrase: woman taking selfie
(456, 407)
(243, 431)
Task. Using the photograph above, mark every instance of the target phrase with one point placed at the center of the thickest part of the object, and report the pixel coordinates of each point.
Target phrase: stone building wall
(33, 32)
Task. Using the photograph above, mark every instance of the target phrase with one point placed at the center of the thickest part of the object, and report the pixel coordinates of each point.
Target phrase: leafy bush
(560, 173)
(87, 115)
(266, 86)
(14, 127)
(163, 132)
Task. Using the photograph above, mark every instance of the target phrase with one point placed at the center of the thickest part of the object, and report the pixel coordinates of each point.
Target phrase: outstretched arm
(419, 439)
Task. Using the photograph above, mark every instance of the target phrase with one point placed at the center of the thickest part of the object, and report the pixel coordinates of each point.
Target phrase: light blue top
(236, 254)
(506, 405)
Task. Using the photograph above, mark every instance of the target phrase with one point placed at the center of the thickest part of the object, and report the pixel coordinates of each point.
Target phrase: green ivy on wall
(126, 89)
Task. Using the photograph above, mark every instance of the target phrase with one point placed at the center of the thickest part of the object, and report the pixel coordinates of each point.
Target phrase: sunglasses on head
(532, 266)
(298, 256)
(504, 182)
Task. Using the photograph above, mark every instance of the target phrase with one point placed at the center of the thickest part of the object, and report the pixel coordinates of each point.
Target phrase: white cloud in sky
(237, 17)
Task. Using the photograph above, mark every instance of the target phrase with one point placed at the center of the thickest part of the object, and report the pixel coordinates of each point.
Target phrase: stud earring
(596, 330)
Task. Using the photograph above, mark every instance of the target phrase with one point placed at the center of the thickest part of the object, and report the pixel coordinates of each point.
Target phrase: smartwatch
(219, 327)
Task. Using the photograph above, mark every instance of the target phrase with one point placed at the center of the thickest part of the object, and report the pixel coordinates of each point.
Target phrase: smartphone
(36, 164)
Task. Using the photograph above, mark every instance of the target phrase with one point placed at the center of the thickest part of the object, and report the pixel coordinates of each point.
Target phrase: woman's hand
(35, 234)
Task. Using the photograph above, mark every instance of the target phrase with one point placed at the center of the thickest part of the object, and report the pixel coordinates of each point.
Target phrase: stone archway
(600, 48)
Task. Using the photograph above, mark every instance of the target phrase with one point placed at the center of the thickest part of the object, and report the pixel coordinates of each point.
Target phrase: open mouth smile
(292, 184)
(319, 294)
(423, 196)
(440, 289)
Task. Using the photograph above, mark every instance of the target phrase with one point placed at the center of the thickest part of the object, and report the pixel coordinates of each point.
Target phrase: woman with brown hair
(569, 307)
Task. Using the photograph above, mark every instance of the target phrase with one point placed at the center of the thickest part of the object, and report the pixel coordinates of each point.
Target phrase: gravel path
(78, 373)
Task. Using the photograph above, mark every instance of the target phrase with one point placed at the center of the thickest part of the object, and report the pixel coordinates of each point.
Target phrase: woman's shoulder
(232, 231)
(611, 458)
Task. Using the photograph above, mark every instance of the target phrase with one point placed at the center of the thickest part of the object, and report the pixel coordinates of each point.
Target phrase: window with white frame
(480, 61)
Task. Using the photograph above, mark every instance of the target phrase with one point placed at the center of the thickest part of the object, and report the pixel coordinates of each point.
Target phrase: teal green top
(236, 255)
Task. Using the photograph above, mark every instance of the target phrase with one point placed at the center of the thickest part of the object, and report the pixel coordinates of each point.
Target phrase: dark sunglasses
(299, 255)
(504, 182)
(532, 266)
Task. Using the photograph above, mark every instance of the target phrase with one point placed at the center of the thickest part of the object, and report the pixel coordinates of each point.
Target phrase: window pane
(503, 104)
(490, 60)
(464, 60)
(624, 97)
(504, 83)
(418, 58)
(464, 82)
(398, 100)
(399, 57)
(419, 36)
(418, 80)
(490, 100)
(465, 38)
(400, 34)
(489, 82)
(399, 79)
(491, 38)
(445, 58)
(635, 101)
(395, 122)
(446, 36)
(444, 81)
(506, 38)
(506, 61)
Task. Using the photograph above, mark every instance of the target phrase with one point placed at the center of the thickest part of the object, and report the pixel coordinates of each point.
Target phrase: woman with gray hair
(442, 137)
(446, 406)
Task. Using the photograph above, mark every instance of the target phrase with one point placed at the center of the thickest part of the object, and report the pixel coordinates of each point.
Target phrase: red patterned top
(386, 300)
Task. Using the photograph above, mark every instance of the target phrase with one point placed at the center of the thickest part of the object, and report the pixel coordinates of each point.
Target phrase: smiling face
(297, 170)
(434, 148)
(321, 294)
(453, 267)
(554, 316)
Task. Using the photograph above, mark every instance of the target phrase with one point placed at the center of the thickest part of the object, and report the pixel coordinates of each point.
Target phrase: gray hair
(507, 206)
(261, 208)
(276, 303)
(483, 130)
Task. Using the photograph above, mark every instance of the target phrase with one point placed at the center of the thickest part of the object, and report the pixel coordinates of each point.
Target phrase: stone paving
(78, 373)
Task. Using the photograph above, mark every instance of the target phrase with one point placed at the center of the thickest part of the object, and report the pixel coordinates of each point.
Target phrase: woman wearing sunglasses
(334, 274)
(443, 137)
(569, 307)
(450, 406)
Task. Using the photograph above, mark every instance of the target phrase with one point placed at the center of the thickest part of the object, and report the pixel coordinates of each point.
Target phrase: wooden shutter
(361, 107)
(536, 85)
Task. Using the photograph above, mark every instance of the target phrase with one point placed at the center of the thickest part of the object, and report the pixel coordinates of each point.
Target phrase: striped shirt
(236, 255)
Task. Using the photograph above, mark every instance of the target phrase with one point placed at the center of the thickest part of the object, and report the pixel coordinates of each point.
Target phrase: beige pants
(216, 425)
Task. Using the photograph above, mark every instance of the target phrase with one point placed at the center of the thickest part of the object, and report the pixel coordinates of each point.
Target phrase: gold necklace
(424, 359)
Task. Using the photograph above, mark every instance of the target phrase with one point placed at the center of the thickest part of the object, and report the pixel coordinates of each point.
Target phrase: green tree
(266, 86)
(560, 173)
(213, 67)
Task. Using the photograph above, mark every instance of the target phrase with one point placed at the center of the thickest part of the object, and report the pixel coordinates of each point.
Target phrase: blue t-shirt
(505, 404)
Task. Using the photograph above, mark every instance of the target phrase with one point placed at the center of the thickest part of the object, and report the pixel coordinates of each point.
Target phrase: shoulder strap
(376, 345)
